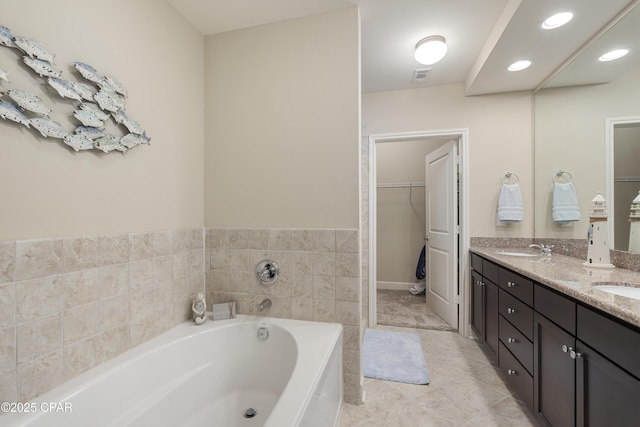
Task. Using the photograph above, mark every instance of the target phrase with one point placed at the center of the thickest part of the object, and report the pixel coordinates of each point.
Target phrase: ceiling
(483, 36)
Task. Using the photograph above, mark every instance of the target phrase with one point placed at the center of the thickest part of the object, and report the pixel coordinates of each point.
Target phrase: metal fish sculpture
(130, 140)
(84, 90)
(64, 88)
(116, 85)
(95, 109)
(109, 143)
(29, 102)
(41, 67)
(78, 142)
(10, 111)
(6, 37)
(123, 119)
(108, 102)
(33, 48)
(49, 128)
(88, 118)
(89, 132)
(88, 72)
(4, 75)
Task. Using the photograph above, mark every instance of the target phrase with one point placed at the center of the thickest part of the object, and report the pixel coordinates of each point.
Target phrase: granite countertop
(569, 276)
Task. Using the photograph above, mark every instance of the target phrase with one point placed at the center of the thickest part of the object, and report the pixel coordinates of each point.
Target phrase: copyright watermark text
(64, 407)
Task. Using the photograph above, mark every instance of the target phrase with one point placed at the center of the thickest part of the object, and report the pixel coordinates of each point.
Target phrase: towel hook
(559, 173)
(508, 175)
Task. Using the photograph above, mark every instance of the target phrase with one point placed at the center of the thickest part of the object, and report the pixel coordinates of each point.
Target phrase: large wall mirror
(587, 123)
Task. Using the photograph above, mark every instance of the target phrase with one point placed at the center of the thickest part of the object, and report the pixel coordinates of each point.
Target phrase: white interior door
(441, 198)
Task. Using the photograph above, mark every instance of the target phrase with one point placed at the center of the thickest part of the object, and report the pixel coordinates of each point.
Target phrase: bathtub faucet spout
(265, 304)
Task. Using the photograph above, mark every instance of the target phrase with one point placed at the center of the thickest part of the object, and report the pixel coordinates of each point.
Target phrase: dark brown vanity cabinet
(484, 302)
(572, 364)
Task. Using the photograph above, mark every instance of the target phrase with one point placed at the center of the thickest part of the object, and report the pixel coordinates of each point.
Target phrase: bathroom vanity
(569, 348)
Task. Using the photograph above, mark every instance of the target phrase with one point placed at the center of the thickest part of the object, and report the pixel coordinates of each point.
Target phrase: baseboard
(393, 286)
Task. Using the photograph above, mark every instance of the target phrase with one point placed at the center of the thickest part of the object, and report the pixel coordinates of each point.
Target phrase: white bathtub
(206, 375)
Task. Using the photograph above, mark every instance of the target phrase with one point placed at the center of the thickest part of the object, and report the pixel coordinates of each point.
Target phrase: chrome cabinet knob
(511, 284)
(565, 349)
(511, 372)
(573, 354)
(511, 340)
(511, 310)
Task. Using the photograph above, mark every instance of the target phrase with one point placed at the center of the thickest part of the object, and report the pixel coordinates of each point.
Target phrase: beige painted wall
(282, 124)
(400, 211)
(570, 131)
(500, 139)
(49, 190)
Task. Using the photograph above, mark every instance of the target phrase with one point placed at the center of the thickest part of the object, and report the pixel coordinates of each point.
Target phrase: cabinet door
(491, 316)
(477, 305)
(554, 374)
(606, 395)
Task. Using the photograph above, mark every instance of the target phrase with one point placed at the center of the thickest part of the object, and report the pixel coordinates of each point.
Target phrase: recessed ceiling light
(519, 65)
(614, 54)
(430, 50)
(557, 20)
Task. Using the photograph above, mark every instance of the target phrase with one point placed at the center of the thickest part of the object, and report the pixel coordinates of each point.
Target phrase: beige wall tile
(39, 375)
(162, 243)
(219, 238)
(181, 241)
(38, 258)
(163, 294)
(181, 265)
(347, 265)
(38, 337)
(324, 310)
(114, 280)
(197, 238)
(142, 328)
(348, 312)
(351, 361)
(238, 259)
(324, 287)
(301, 240)
(7, 261)
(258, 239)
(301, 263)
(351, 337)
(9, 385)
(238, 239)
(302, 286)
(347, 241)
(324, 240)
(80, 253)
(162, 268)
(140, 274)
(7, 349)
(324, 263)
(220, 259)
(81, 287)
(140, 246)
(39, 297)
(240, 282)
(81, 356)
(114, 312)
(347, 288)
(114, 342)
(279, 240)
(114, 249)
(302, 308)
(81, 322)
(7, 305)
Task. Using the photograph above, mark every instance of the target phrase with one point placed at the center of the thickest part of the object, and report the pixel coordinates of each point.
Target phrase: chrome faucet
(265, 304)
(545, 249)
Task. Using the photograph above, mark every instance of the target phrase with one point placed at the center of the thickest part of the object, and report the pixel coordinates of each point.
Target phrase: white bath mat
(394, 356)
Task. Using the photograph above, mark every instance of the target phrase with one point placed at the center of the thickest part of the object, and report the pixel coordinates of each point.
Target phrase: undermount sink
(516, 253)
(622, 289)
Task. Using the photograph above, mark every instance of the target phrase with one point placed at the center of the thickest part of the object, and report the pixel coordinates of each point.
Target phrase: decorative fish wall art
(99, 100)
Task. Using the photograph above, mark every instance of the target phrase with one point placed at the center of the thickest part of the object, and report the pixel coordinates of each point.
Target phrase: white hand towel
(564, 206)
(510, 204)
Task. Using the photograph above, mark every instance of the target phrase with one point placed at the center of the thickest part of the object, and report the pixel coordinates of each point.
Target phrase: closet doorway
(417, 198)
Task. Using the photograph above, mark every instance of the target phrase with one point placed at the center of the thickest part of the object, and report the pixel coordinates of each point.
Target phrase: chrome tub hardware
(267, 272)
(263, 334)
(265, 304)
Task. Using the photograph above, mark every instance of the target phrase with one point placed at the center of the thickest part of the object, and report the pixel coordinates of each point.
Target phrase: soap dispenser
(598, 234)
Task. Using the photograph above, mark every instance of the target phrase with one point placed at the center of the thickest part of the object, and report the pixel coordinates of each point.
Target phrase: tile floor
(465, 390)
(401, 308)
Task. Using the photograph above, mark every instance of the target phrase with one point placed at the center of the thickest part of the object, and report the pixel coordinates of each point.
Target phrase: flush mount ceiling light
(430, 50)
(557, 20)
(519, 65)
(614, 54)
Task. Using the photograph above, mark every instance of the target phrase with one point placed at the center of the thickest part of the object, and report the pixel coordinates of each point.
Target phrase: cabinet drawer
(517, 376)
(476, 263)
(490, 270)
(517, 285)
(517, 343)
(616, 341)
(555, 307)
(516, 312)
